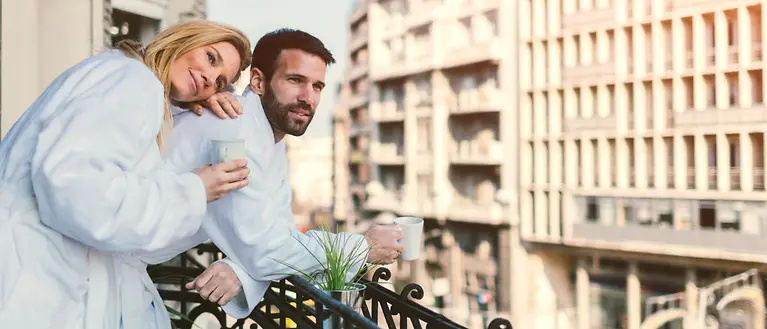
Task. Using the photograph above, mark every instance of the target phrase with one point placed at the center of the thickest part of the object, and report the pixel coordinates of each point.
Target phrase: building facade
(41, 39)
(424, 134)
(580, 164)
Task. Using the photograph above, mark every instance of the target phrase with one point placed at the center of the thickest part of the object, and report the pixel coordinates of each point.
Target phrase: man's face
(291, 97)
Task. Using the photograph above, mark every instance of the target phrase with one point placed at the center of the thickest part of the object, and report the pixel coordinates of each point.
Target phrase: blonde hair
(175, 41)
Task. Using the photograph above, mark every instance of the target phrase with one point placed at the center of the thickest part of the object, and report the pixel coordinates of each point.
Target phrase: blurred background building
(60, 33)
(579, 164)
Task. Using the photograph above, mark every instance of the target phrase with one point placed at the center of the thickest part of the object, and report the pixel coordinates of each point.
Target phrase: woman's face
(200, 73)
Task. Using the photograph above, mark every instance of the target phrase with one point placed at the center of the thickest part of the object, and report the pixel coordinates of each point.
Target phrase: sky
(327, 20)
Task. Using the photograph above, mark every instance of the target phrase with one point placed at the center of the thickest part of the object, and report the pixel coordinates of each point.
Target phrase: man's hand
(222, 104)
(384, 248)
(217, 283)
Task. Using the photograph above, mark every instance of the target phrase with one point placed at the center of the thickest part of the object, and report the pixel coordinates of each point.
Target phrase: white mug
(228, 150)
(412, 229)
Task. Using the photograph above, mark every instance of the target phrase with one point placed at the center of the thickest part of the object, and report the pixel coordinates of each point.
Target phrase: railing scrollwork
(295, 303)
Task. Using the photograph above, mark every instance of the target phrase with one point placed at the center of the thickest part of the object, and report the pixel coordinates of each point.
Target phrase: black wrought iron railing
(295, 303)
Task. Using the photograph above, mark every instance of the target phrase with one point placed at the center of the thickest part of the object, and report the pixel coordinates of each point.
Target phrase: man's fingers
(190, 285)
(227, 297)
(215, 294)
(202, 279)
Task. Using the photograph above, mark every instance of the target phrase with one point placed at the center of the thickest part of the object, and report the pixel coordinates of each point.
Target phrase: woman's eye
(211, 58)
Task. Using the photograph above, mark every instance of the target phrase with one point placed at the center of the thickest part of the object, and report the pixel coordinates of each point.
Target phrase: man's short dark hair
(267, 50)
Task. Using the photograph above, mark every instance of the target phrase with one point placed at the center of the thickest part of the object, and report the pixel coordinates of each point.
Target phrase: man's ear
(257, 81)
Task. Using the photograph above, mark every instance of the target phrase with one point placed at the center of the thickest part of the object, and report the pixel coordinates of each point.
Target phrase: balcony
(590, 17)
(712, 179)
(670, 178)
(710, 118)
(359, 99)
(580, 124)
(421, 14)
(475, 153)
(756, 52)
(359, 11)
(588, 73)
(472, 211)
(390, 114)
(693, 5)
(472, 52)
(295, 303)
(358, 70)
(759, 179)
(691, 178)
(386, 201)
(655, 225)
(734, 179)
(357, 157)
(359, 38)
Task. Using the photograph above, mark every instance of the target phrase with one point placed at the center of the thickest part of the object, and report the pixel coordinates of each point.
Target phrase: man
(254, 226)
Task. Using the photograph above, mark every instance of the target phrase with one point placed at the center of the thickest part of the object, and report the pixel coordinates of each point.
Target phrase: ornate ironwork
(295, 303)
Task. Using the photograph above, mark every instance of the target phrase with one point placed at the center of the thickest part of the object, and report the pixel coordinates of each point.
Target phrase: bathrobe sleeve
(98, 174)
(256, 230)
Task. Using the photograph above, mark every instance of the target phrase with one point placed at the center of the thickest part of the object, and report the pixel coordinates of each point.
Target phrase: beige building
(41, 39)
(592, 164)
(310, 170)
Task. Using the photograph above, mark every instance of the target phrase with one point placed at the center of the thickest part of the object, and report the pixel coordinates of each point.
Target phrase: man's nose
(308, 96)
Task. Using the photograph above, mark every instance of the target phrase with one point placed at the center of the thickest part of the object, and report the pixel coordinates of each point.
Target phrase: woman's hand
(222, 104)
(222, 178)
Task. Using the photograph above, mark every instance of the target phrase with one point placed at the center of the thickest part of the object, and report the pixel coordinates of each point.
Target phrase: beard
(279, 117)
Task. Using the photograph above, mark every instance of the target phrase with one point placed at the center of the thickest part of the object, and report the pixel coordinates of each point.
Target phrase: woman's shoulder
(128, 70)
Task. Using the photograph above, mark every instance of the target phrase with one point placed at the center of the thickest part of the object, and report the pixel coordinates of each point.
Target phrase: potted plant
(342, 271)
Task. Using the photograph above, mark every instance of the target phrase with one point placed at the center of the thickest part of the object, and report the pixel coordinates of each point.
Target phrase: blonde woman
(85, 194)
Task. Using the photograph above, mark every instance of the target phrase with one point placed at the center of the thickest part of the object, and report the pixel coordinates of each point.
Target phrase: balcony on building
(392, 104)
(422, 12)
(359, 11)
(660, 225)
(474, 39)
(756, 114)
(474, 90)
(573, 18)
(474, 124)
(473, 197)
(386, 194)
(359, 64)
(729, 162)
(359, 36)
(359, 124)
(405, 55)
(580, 124)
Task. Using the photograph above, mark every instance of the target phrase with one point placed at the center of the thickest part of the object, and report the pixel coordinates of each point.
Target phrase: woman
(84, 189)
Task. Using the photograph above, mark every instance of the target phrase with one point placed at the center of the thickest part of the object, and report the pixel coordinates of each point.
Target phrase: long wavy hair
(175, 41)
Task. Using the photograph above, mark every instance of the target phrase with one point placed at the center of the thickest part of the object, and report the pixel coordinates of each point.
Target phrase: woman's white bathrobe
(86, 201)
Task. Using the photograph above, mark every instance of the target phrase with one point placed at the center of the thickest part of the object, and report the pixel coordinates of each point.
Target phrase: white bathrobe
(86, 200)
(253, 226)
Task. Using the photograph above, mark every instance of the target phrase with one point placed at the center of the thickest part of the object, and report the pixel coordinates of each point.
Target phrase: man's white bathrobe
(253, 226)
(86, 201)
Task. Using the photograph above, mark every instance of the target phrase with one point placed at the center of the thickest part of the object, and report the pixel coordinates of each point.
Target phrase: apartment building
(579, 163)
(642, 133)
(41, 39)
(422, 131)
